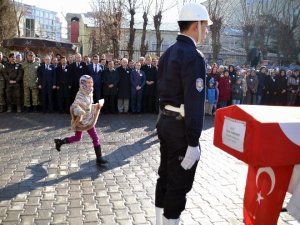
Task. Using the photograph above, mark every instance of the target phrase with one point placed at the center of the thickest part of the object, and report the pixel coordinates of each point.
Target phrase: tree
(7, 26)
(131, 7)
(19, 12)
(107, 16)
(287, 27)
(271, 25)
(146, 9)
(247, 23)
(160, 8)
(219, 11)
(157, 22)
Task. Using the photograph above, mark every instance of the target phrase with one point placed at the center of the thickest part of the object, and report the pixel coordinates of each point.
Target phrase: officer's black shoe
(99, 160)
(1, 108)
(34, 109)
(59, 143)
(27, 109)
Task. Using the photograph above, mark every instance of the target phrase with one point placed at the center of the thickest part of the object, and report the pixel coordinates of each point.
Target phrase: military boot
(1, 108)
(99, 160)
(60, 142)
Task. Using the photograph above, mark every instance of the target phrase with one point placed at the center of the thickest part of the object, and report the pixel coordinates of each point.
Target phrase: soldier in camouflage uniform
(13, 74)
(30, 67)
(2, 85)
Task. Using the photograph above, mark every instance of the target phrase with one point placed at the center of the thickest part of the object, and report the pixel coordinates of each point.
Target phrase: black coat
(64, 81)
(110, 77)
(282, 83)
(124, 82)
(181, 80)
(151, 75)
(271, 90)
(46, 77)
(77, 72)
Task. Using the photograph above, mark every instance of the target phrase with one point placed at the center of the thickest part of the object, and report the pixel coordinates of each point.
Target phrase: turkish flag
(266, 188)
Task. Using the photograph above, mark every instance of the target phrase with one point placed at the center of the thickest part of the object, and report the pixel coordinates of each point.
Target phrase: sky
(83, 6)
(60, 5)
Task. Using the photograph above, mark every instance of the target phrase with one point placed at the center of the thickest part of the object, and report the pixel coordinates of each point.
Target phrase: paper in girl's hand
(101, 101)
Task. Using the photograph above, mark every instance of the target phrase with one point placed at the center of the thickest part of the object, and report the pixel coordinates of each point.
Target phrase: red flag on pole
(266, 188)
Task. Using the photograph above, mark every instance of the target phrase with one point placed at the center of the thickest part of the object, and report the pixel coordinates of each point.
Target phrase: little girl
(84, 116)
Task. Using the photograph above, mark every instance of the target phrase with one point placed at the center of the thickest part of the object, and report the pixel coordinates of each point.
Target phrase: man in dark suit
(64, 82)
(46, 83)
(103, 63)
(78, 68)
(95, 71)
(149, 89)
(138, 80)
(124, 86)
(55, 62)
(110, 87)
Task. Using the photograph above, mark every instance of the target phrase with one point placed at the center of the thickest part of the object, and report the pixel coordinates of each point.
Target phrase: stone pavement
(38, 185)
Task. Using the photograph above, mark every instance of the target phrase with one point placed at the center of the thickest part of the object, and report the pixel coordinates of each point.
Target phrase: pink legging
(78, 135)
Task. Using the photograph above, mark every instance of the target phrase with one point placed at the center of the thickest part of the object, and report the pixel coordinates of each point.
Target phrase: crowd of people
(241, 85)
(50, 84)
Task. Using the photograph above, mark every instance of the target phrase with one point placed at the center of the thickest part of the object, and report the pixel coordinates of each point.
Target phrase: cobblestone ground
(38, 185)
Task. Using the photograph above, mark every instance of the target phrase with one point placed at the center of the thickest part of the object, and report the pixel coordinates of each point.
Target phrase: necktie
(95, 68)
(77, 64)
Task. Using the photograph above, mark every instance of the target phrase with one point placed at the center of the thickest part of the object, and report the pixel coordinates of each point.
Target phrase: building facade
(38, 22)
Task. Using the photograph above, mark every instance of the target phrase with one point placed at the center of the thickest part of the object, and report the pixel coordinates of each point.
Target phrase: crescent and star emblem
(271, 174)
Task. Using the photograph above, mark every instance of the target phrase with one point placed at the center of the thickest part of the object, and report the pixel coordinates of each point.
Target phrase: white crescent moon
(271, 173)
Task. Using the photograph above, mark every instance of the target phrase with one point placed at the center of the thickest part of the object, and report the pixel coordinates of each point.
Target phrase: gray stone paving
(40, 186)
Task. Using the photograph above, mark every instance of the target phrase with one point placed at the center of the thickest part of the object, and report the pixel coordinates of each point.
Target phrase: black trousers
(149, 104)
(47, 99)
(110, 103)
(174, 182)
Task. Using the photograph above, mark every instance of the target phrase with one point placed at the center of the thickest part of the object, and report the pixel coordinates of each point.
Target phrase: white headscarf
(83, 86)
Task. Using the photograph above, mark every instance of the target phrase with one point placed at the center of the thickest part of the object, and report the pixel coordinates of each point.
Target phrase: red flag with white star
(266, 188)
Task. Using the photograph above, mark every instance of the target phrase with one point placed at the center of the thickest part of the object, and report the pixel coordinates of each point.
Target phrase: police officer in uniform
(181, 93)
(30, 67)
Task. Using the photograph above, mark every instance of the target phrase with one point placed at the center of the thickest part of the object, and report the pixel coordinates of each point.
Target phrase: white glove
(191, 156)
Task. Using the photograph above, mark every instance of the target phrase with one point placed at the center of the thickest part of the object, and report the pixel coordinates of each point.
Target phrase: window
(164, 46)
(153, 47)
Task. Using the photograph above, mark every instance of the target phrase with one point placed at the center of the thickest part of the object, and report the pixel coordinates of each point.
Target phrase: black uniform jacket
(181, 80)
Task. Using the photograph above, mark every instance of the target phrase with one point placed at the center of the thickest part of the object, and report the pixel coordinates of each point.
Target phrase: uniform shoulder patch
(199, 84)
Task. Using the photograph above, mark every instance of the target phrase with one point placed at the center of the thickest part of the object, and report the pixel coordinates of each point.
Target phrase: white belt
(180, 110)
